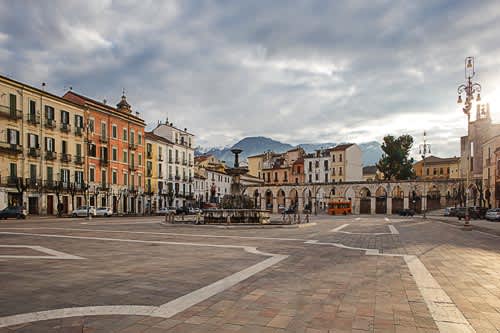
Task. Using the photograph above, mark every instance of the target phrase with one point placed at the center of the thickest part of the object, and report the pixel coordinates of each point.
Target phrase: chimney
(104, 101)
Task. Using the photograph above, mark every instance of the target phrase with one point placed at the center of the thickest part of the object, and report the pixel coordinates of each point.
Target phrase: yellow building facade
(437, 168)
(42, 150)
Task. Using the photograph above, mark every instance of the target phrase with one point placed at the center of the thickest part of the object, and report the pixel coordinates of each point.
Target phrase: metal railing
(10, 113)
(33, 119)
(34, 152)
(79, 159)
(50, 155)
(50, 123)
(103, 139)
(79, 131)
(11, 148)
(65, 158)
(65, 127)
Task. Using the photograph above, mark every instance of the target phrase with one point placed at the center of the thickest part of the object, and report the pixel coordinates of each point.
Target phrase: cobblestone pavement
(341, 274)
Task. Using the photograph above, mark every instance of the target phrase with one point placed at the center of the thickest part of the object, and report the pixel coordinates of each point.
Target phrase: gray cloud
(301, 72)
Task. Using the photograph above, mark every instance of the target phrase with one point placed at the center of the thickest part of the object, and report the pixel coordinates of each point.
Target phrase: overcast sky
(300, 72)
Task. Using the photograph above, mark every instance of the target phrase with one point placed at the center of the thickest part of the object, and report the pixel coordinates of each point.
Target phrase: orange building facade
(115, 155)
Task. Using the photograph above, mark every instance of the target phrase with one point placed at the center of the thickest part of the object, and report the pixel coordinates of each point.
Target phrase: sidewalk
(479, 225)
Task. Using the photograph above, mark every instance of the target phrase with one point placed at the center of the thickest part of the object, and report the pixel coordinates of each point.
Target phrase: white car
(165, 210)
(82, 211)
(104, 211)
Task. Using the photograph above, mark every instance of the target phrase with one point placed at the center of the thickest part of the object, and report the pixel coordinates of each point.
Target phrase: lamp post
(424, 149)
(470, 90)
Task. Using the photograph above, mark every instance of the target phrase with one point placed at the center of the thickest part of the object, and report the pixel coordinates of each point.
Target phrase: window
(434, 171)
(114, 131)
(448, 170)
(125, 156)
(91, 125)
(13, 136)
(427, 171)
(33, 141)
(340, 171)
(316, 177)
(114, 153)
(92, 150)
(49, 112)
(325, 164)
(104, 153)
(139, 159)
(78, 121)
(64, 117)
(326, 178)
(78, 149)
(149, 149)
(333, 171)
(132, 137)
(103, 177)
(310, 178)
(286, 176)
(440, 171)
(139, 138)
(333, 157)
(64, 147)
(340, 157)
(310, 166)
(32, 115)
(103, 130)
(50, 144)
(125, 179)
(13, 170)
(65, 175)
(114, 176)
(13, 102)
(91, 174)
(79, 177)
(125, 134)
(139, 180)
(132, 158)
(275, 176)
(50, 174)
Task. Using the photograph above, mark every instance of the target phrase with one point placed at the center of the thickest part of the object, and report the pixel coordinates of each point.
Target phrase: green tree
(395, 162)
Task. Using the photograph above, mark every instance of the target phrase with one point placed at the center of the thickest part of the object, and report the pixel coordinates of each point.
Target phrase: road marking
(385, 218)
(166, 310)
(339, 228)
(447, 316)
(393, 229)
(52, 254)
(357, 218)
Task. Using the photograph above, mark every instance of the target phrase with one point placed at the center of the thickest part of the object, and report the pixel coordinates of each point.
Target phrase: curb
(474, 227)
(241, 226)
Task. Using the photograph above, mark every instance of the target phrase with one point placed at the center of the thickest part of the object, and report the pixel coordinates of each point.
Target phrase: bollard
(228, 219)
(307, 218)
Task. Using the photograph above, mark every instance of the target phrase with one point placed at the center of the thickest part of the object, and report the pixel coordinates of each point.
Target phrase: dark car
(474, 212)
(182, 211)
(406, 212)
(14, 211)
(290, 210)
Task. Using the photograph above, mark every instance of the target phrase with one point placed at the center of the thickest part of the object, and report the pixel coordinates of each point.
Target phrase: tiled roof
(152, 136)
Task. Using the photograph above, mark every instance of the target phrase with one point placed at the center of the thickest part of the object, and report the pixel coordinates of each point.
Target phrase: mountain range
(255, 145)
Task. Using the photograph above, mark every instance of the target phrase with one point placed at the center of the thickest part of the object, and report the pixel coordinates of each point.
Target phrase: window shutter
(17, 138)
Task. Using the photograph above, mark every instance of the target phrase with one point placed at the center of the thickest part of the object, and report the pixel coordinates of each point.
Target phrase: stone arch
(381, 200)
(397, 195)
(433, 198)
(321, 198)
(415, 199)
(268, 196)
(365, 201)
(294, 198)
(281, 199)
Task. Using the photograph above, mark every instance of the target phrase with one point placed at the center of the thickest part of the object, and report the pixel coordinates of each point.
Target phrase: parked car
(493, 214)
(474, 212)
(406, 212)
(166, 210)
(13, 211)
(82, 211)
(104, 211)
(197, 210)
(182, 211)
(290, 210)
(450, 211)
(281, 209)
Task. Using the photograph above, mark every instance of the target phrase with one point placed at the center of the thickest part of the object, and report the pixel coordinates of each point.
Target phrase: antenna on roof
(70, 88)
(43, 86)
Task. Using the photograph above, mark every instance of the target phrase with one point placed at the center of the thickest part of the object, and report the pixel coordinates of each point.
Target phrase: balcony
(79, 131)
(34, 152)
(50, 123)
(65, 158)
(50, 155)
(191, 164)
(65, 128)
(132, 167)
(148, 190)
(10, 113)
(177, 177)
(103, 186)
(185, 178)
(10, 148)
(170, 160)
(79, 160)
(50, 185)
(103, 139)
(132, 146)
(177, 161)
(33, 119)
(9, 181)
(170, 177)
(149, 173)
(132, 189)
(160, 158)
(149, 155)
(191, 179)
(160, 175)
(33, 183)
(184, 162)
(103, 161)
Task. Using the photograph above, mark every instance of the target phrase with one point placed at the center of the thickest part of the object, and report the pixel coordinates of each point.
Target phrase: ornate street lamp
(423, 150)
(470, 90)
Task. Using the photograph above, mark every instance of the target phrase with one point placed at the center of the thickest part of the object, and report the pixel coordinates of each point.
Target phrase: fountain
(236, 206)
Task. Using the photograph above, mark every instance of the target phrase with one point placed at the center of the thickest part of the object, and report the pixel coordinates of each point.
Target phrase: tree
(395, 163)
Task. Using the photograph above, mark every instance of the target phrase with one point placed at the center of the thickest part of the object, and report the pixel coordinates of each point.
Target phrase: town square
(249, 166)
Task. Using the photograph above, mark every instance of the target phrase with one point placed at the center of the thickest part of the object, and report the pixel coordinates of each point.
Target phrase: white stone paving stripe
(52, 254)
(339, 228)
(393, 229)
(445, 313)
(166, 310)
(386, 219)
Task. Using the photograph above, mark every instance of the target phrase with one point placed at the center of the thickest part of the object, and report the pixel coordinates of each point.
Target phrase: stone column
(263, 203)
(275, 205)
(424, 203)
(300, 203)
(389, 205)
(373, 204)
(356, 205)
(42, 203)
(287, 202)
(406, 202)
